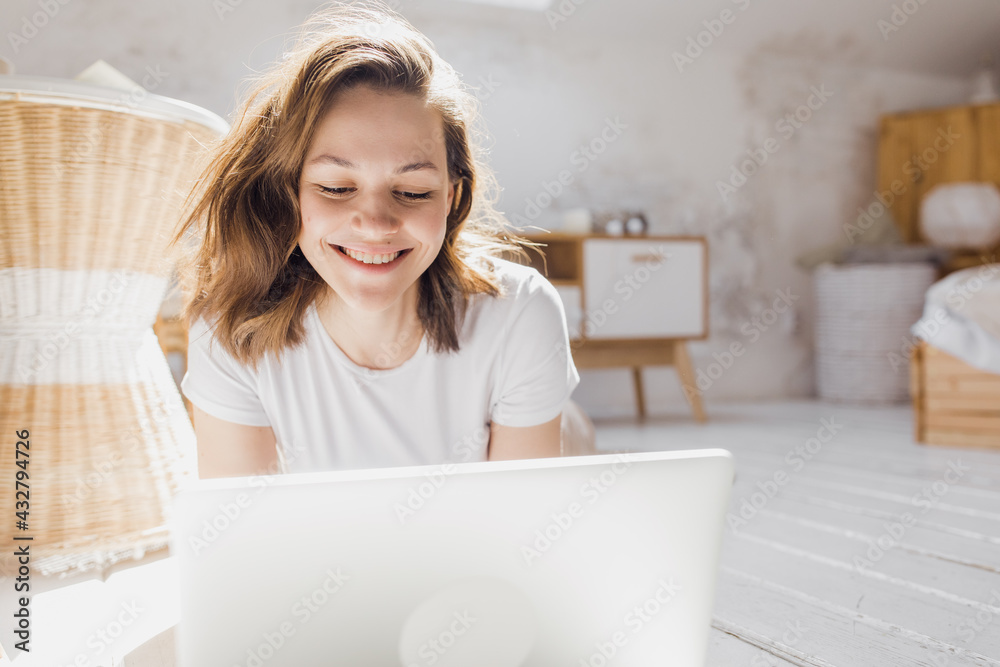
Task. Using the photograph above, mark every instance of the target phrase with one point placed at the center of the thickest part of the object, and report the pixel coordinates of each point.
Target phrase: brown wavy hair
(244, 272)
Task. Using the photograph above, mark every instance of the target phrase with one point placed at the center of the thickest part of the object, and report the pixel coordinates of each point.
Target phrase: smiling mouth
(366, 258)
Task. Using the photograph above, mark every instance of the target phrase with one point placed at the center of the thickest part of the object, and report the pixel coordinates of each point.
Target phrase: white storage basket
(864, 315)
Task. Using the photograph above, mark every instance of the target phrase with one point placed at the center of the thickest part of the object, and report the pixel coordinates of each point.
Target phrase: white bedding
(962, 316)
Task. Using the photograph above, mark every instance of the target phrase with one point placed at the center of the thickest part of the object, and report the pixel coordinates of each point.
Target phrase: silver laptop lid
(592, 560)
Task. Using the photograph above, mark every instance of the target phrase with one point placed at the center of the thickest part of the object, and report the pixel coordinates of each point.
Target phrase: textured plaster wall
(686, 131)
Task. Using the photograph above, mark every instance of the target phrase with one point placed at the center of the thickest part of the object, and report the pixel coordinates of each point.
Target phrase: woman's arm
(524, 442)
(226, 449)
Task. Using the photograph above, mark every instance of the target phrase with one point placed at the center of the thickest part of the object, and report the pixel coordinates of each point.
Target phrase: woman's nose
(374, 216)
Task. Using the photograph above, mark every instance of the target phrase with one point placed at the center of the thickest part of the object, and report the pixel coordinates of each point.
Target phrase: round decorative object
(863, 317)
(614, 227)
(961, 215)
(635, 226)
(92, 181)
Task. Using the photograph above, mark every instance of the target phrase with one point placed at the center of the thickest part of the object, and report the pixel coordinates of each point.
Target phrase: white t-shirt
(513, 367)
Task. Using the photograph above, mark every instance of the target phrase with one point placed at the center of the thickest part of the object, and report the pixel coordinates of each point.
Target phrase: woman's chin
(369, 299)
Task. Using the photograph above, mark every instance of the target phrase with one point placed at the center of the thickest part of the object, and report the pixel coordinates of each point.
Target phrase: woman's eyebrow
(347, 164)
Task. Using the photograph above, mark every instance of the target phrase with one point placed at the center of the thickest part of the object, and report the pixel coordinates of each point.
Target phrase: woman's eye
(405, 195)
(334, 191)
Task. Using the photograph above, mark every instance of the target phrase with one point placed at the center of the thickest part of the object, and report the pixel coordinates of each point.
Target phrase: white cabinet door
(644, 288)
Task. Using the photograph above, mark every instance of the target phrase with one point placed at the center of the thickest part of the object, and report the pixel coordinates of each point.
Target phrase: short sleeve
(537, 374)
(217, 383)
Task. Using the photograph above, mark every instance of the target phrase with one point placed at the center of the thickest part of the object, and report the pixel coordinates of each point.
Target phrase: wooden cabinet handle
(651, 257)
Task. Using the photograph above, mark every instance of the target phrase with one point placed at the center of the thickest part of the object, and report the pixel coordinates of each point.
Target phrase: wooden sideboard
(631, 301)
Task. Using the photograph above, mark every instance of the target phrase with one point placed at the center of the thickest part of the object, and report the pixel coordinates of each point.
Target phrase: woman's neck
(373, 339)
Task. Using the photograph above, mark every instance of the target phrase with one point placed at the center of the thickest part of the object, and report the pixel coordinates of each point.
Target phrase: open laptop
(593, 561)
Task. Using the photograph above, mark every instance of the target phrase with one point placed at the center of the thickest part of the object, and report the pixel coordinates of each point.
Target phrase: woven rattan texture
(91, 191)
(88, 188)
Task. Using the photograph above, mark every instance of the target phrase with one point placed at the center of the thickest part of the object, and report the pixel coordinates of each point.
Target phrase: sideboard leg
(640, 398)
(685, 370)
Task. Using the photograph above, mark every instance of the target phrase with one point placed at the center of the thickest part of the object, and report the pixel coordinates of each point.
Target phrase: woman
(347, 265)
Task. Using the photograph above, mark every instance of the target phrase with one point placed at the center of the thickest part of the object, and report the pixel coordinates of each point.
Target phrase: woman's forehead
(373, 124)
(363, 103)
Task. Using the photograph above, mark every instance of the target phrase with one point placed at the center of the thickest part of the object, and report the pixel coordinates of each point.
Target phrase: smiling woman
(347, 302)
(373, 224)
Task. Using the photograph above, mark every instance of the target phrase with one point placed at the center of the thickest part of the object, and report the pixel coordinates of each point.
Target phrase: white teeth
(372, 259)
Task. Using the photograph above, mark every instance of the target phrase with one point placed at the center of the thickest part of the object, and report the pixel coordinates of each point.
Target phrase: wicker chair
(91, 184)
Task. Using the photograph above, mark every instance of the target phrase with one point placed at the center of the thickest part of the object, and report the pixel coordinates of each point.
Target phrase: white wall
(552, 93)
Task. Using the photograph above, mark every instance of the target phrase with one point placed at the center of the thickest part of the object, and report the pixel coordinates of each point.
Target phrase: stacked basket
(91, 184)
(864, 315)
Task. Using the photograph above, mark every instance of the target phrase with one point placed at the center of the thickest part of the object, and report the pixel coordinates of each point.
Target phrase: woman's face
(375, 185)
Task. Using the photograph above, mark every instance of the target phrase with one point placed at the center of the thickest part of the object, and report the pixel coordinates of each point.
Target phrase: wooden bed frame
(953, 403)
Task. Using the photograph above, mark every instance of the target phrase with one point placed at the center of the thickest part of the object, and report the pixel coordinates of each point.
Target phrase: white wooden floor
(800, 583)
(870, 553)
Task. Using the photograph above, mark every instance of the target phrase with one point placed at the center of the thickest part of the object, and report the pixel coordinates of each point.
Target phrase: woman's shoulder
(205, 337)
(522, 288)
(517, 280)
